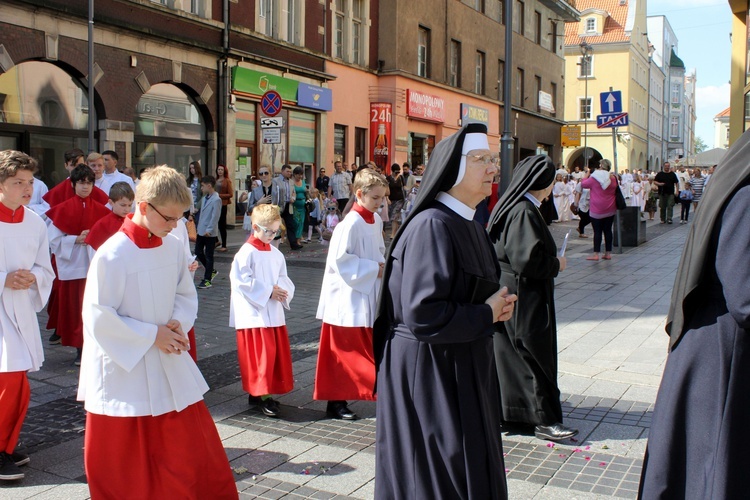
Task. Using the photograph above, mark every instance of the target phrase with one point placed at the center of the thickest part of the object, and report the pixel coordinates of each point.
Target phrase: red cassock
(14, 401)
(265, 360)
(174, 455)
(193, 351)
(65, 191)
(51, 303)
(346, 364)
(103, 229)
(73, 217)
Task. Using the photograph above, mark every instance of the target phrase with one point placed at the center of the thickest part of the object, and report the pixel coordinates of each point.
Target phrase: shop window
(584, 108)
(301, 137)
(339, 142)
(245, 121)
(169, 129)
(479, 73)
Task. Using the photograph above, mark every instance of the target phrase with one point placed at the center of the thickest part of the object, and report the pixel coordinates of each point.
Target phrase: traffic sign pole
(614, 161)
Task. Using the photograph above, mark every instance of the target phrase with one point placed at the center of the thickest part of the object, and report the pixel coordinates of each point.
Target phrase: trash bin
(632, 227)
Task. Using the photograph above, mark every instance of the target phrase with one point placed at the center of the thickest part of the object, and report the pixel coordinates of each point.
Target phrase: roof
(614, 25)
(675, 61)
(723, 114)
(710, 157)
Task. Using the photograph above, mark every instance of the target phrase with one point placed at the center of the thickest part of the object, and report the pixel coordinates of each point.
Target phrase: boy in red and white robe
(121, 198)
(261, 290)
(70, 223)
(26, 280)
(148, 431)
(348, 301)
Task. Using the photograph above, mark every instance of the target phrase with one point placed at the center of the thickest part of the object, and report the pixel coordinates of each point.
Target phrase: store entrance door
(243, 177)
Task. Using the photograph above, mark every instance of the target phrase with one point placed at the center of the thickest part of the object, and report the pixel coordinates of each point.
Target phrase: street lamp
(586, 51)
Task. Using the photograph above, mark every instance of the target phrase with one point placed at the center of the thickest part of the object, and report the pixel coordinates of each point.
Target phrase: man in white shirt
(110, 170)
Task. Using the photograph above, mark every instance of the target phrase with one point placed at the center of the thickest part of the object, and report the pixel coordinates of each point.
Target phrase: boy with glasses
(208, 230)
(261, 290)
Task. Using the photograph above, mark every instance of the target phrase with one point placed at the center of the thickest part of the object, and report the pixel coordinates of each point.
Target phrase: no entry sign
(270, 103)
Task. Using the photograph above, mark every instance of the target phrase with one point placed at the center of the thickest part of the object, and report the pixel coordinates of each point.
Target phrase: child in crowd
(70, 223)
(121, 198)
(261, 290)
(315, 216)
(208, 230)
(148, 431)
(26, 275)
(686, 199)
(348, 299)
(331, 219)
(181, 233)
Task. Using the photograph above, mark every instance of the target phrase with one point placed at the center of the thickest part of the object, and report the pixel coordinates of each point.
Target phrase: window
(423, 53)
(585, 67)
(519, 101)
(553, 36)
(537, 88)
(584, 108)
(591, 25)
(479, 5)
(198, 7)
(674, 127)
(479, 73)
(350, 33)
(280, 19)
(676, 93)
(519, 25)
(500, 79)
(538, 27)
(553, 91)
(454, 79)
(339, 141)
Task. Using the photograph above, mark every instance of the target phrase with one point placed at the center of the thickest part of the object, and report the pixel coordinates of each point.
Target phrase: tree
(700, 146)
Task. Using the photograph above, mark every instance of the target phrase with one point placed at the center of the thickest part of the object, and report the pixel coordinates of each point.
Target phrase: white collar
(457, 206)
(533, 200)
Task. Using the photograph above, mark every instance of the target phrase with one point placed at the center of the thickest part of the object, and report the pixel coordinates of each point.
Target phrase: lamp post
(586, 51)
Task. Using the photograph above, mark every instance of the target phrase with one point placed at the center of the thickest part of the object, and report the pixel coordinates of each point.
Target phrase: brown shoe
(222, 249)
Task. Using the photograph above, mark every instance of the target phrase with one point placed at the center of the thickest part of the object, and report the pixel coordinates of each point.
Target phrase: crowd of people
(454, 317)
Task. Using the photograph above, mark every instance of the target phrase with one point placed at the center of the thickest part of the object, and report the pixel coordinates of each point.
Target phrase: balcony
(566, 9)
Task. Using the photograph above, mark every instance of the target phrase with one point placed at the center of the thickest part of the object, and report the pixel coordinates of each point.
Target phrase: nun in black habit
(699, 444)
(438, 416)
(526, 346)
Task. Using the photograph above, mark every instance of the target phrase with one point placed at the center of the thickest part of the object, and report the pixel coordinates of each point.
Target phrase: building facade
(619, 60)
(739, 98)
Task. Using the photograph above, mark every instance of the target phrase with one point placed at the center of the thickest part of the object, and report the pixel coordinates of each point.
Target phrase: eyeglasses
(331, 209)
(262, 173)
(166, 219)
(268, 232)
(487, 160)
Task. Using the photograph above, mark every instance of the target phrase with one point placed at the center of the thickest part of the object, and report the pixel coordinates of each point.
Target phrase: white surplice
(349, 294)
(72, 258)
(129, 291)
(23, 245)
(252, 277)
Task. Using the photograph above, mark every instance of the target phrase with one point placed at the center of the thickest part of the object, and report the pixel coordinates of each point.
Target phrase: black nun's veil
(440, 175)
(732, 173)
(532, 173)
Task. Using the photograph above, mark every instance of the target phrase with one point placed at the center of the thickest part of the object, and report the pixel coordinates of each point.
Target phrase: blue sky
(702, 28)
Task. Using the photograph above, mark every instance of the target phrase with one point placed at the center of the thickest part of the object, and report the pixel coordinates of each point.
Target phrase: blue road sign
(270, 103)
(611, 102)
(612, 120)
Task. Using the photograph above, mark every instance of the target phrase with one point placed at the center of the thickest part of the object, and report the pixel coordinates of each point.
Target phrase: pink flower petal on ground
(505, 454)
(562, 455)
(602, 464)
(587, 448)
(550, 445)
(577, 450)
(587, 458)
(507, 470)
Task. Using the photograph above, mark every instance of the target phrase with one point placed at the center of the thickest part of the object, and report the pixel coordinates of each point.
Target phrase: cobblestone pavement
(611, 353)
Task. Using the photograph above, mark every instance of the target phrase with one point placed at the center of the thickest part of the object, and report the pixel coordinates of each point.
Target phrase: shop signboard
(474, 114)
(380, 133)
(425, 106)
(253, 82)
(314, 97)
(570, 136)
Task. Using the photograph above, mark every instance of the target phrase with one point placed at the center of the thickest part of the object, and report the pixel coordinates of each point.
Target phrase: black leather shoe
(340, 411)
(554, 432)
(254, 400)
(269, 407)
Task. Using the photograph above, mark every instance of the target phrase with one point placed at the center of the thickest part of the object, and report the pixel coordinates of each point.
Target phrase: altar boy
(261, 290)
(148, 431)
(26, 277)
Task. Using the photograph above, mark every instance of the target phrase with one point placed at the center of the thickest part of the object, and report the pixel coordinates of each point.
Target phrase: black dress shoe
(254, 400)
(269, 407)
(554, 432)
(340, 411)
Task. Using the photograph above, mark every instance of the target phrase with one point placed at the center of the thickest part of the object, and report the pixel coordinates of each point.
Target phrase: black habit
(438, 414)
(438, 432)
(698, 442)
(526, 352)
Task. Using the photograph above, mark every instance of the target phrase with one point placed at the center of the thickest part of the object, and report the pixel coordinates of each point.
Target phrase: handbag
(191, 230)
(620, 199)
